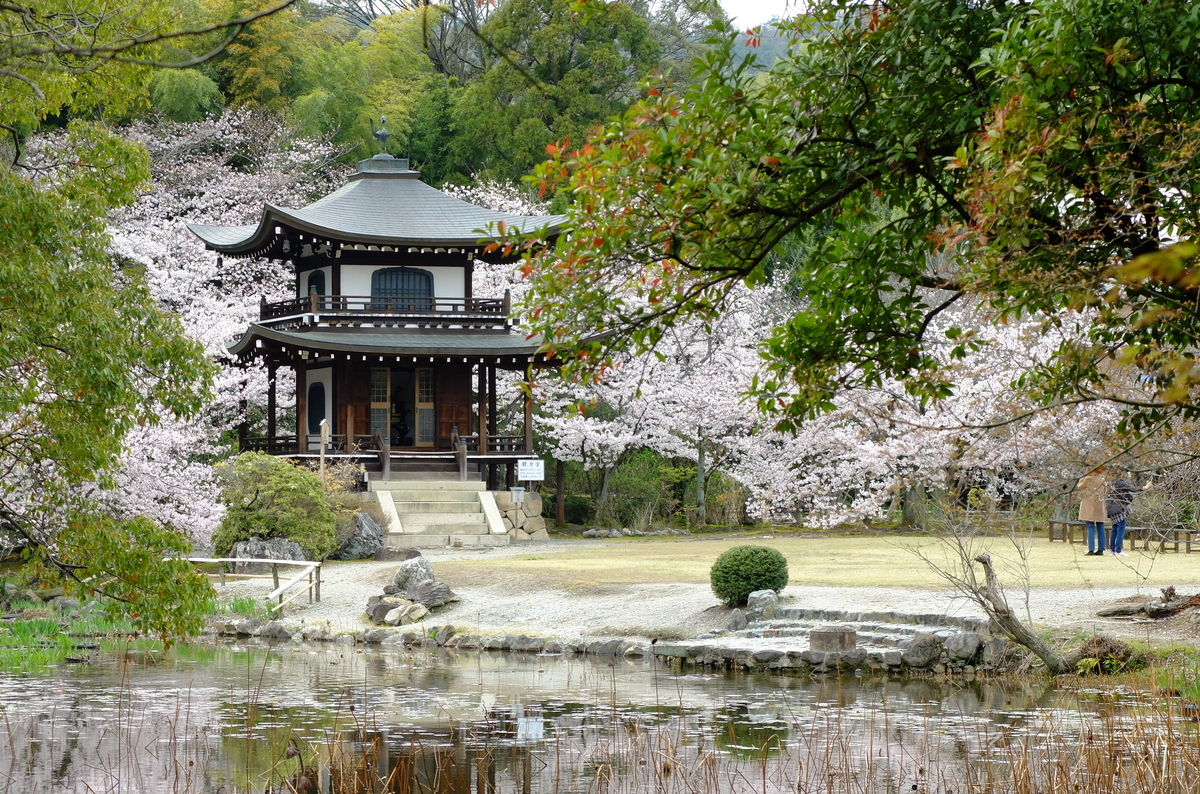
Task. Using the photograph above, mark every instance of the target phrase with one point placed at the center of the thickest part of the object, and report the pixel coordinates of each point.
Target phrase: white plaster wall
(447, 281)
(325, 376)
(302, 282)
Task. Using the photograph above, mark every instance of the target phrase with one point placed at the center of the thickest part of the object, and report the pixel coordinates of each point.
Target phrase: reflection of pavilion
(387, 340)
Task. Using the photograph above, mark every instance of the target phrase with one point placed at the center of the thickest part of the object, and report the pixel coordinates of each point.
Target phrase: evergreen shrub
(743, 569)
(267, 497)
(577, 508)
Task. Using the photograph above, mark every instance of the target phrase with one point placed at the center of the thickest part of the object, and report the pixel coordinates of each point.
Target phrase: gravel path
(668, 610)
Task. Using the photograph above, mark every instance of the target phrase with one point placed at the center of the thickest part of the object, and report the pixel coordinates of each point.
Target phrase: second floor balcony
(391, 309)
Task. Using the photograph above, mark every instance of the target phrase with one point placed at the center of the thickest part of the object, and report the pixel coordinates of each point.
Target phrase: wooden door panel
(453, 385)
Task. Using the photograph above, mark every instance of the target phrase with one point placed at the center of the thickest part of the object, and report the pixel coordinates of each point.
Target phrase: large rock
(832, 639)
(431, 594)
(963, 646)
(533, 504)
(923, 650)
(737, 621)
(363, 543)
(276, 631)
(761, 605)
(504, 500)
(388, 554)
(534, 525)
(402, 616)
(413, 572)
(996, 651)
(273, 549)
(378, 610)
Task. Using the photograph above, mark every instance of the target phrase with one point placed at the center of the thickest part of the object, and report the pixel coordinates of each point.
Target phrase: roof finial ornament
(381, 134)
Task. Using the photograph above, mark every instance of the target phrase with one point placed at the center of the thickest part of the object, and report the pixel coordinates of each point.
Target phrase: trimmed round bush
(267, 497)
(743, 569)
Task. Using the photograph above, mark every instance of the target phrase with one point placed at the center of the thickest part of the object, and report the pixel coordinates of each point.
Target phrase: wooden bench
(1065, 531)
(1174, 538)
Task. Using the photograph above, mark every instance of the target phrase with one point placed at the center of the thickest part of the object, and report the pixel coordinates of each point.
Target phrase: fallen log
(1171, 603)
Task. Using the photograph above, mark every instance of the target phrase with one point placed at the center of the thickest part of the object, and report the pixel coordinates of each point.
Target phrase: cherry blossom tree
(878, 446)
(218, 172)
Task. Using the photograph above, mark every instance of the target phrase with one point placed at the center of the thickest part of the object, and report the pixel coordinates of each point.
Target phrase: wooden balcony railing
(494, 443)
(497, 308)
(272, 445)
(286, 445)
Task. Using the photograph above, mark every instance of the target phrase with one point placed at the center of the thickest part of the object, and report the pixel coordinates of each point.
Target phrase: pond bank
(503, 603)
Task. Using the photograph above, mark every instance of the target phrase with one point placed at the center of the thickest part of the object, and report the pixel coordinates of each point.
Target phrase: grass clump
(246, 606)
(743, 569)
(1104, 655)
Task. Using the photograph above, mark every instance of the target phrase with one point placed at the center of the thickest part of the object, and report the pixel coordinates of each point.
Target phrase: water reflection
(248, 718)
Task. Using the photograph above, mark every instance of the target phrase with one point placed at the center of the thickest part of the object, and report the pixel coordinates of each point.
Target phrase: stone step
(433, 476)
(427, 486)
(438, 497)
(412, 519)
(439, 506)
(432, 540)
(801, 628)
(444, 528)
(402, 464)
(920, 622)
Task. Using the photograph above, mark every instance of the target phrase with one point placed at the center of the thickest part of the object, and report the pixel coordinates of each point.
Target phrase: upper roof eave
(374, 201)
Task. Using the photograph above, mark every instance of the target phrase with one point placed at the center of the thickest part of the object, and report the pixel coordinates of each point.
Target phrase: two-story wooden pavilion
(387, 340)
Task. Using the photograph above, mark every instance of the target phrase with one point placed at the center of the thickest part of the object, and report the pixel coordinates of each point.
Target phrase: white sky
(748, 13)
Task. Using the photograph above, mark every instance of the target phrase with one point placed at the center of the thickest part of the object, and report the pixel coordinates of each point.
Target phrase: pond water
(247, 718)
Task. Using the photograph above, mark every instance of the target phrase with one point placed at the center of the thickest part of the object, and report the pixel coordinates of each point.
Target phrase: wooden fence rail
(309, 568)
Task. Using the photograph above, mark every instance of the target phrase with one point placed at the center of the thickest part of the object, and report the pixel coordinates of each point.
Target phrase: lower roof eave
(503, 349)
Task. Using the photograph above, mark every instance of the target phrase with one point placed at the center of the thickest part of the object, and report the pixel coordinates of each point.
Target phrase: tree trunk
(913, 508)
(560, 495)
(605, 476)
(992, 601)
(701, 506)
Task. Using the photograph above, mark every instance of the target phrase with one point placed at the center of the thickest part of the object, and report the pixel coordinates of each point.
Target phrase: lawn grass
(827, 560)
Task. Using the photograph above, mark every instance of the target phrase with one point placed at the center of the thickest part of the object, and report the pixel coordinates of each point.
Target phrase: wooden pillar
(336, 280)
(301, 406)
(492, 423)
(348, 396)
(493, 476)
(528, 393)
(272, 369)
(560, 494)
(243, 428)
(483, 410)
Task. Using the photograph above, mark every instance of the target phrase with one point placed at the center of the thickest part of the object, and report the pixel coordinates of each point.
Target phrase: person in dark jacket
(1120, 507)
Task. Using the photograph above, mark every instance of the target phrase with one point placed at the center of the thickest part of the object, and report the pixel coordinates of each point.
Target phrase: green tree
(85, 354)
(185, 94)
(862, 150)
(261, 64)
(268, 497)
(561, 74)
(432, 132)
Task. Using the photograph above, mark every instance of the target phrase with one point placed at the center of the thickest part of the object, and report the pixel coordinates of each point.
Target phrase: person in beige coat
(1092, 494)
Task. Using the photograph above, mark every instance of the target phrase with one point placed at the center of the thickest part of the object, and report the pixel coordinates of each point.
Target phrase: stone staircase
(424, 466)
(428, 514)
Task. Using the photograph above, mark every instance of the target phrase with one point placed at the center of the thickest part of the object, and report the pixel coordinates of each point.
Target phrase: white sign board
(531, 469)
